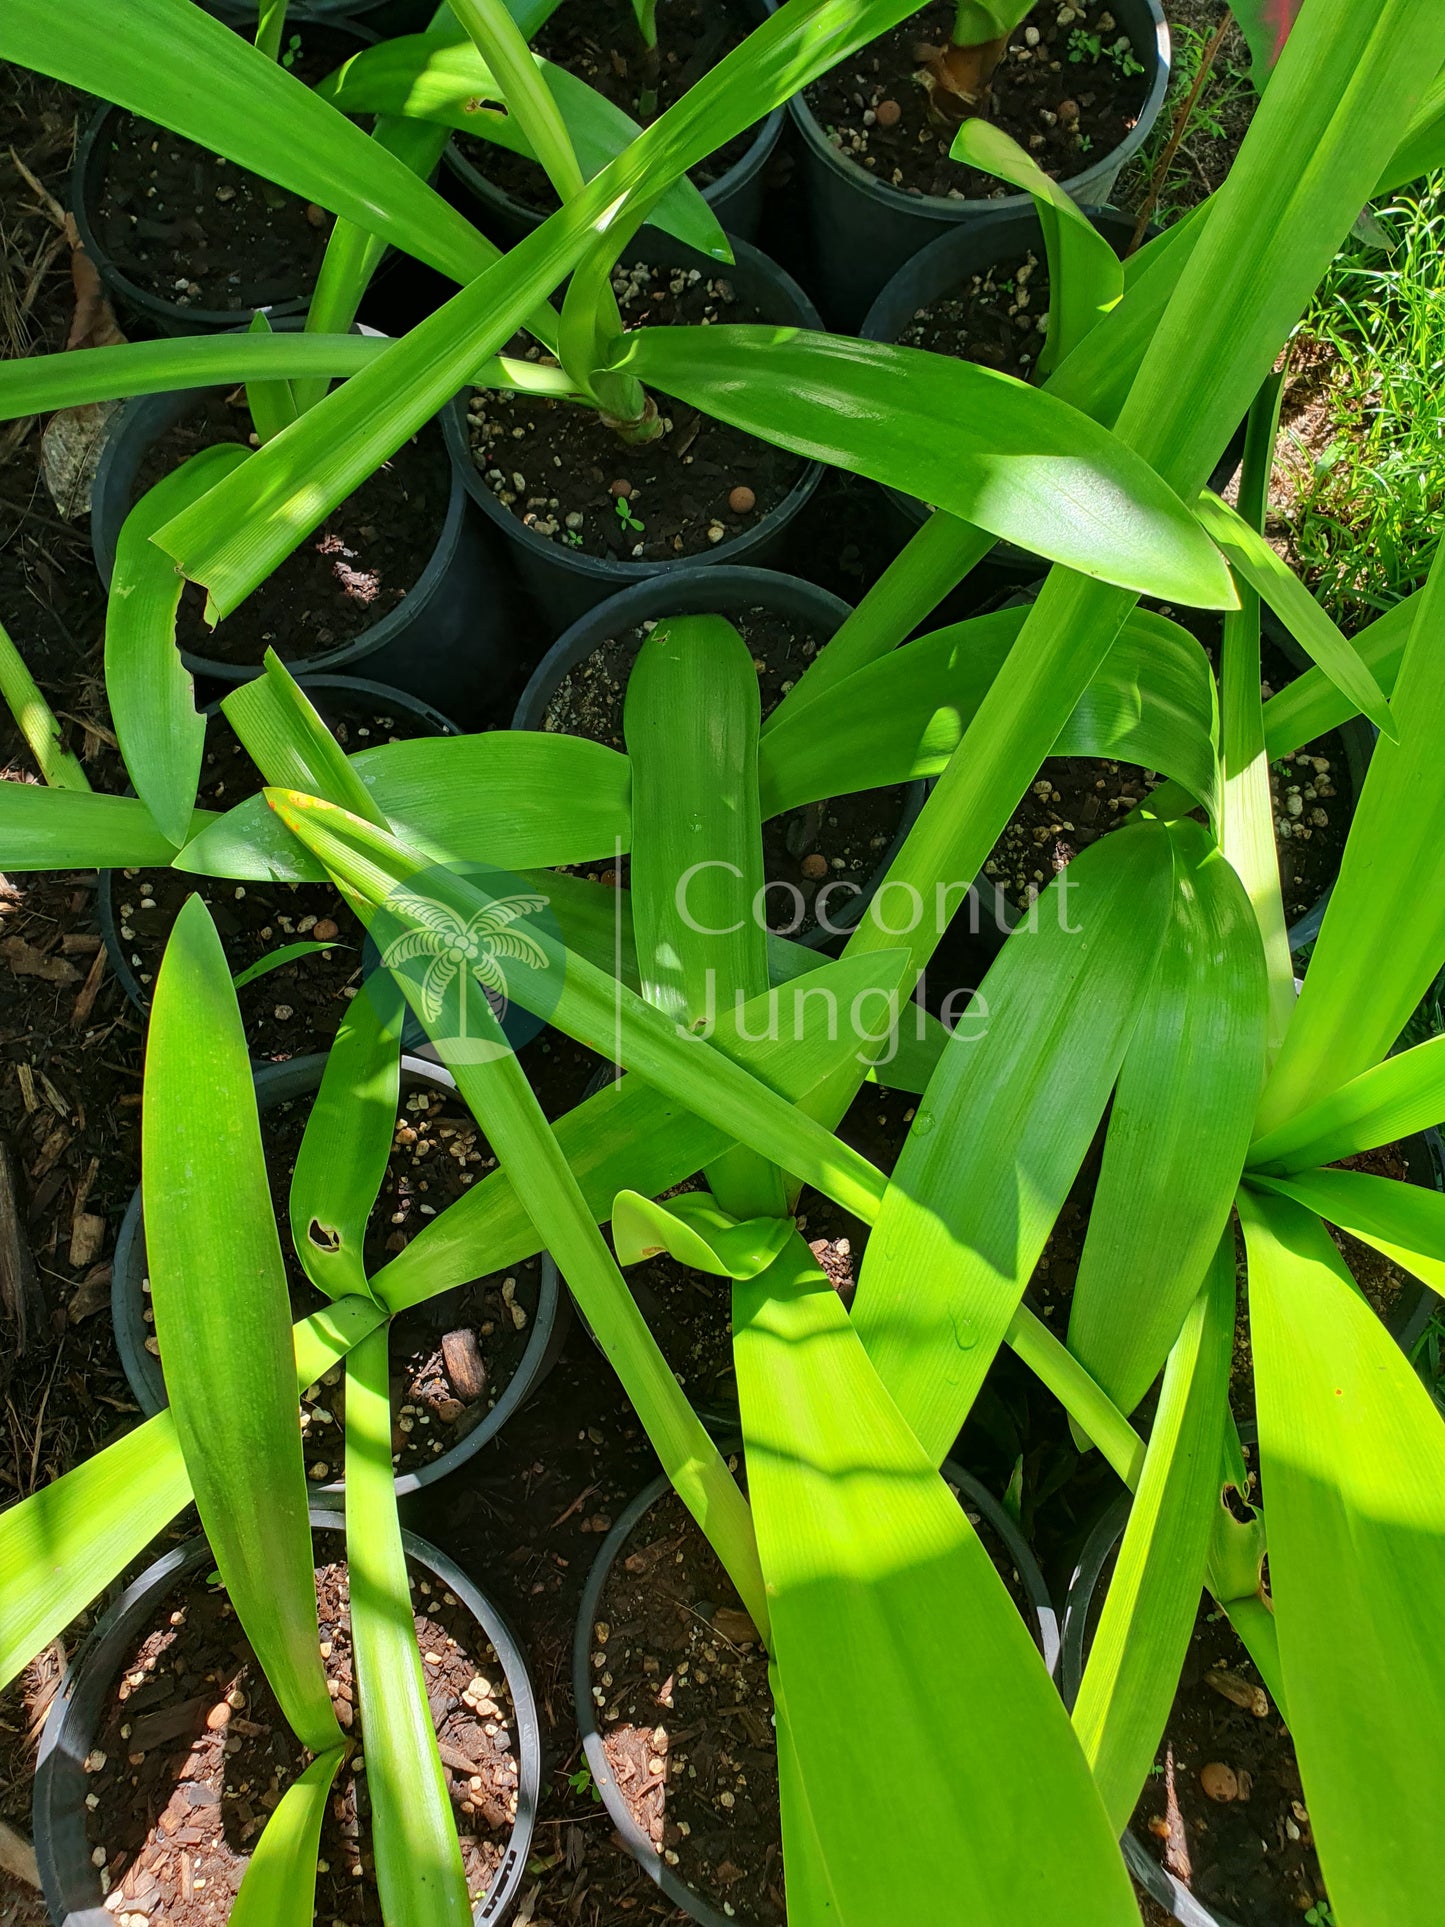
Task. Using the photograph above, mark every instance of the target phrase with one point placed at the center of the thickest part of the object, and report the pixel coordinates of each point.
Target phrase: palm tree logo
(451, 946)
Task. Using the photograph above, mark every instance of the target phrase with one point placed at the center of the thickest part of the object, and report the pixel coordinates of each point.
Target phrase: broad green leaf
(880, 1593)
(1148, 1615)
(40, 382)
(177, 65)
(1015, 461)
(1403, 1095)
(152, 697)
(901, 718)
(305, 472)
(346, 1144)
(430, 78)
(272, 405)
(1352, 1456)
(1405, 1221)
(419, 1872)
(1311, 704)
(691, 726)
(218, 1290)
(1276, 583)
(1422, 147)
(498, 1095)
(64, 829)
(514, 798)
(1383, 935)
(287, 739)
(1086, 277)
(694, 1230)
(279, 1886)
(1003, 1128)
(587, 1004)
(63, 1545)
(632, 1135)
(1179, 1128)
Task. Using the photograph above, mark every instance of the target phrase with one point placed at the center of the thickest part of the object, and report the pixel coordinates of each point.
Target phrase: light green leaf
(1003, 1128)
(1148, 1615)
(279, 1886)
(1396, 1099)
(218, 1290)
(63, 829)
(274, 959)
(272, 405)
(279, 725)
(1015, 461)
(1311, 705)
(1404, 1221)
(151, 694)
(694, 1230)
(1352, 1455)
(419, 1872)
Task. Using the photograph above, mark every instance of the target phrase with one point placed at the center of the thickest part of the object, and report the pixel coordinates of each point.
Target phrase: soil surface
(297, 1006)
(194, 1753)
(806, 851)
(602, 46)
(998, 318)
(348, 574)
(1224, 1807)
(1068, 93)
(568, 477)
(198, 231)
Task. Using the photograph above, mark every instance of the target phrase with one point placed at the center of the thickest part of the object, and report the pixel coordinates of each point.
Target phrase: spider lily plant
(1159, 998)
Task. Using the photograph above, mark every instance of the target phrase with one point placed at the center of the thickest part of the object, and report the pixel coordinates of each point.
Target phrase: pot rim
(278, 1084)
(79, 1702)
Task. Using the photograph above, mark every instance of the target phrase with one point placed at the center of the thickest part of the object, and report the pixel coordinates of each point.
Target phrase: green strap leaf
(1148, 1616)
(695, 1230)
(279, 1886)
(511, 797)
(1311, 705)
(881, 1593)
(178, 65)
(427, 77)
(1403, 1095)
(1015, 461)
(1276, 583)
(274, 959)
(1383, 936)
(1352, 1454)
(279, 725)
(64, 829)
(272, 405)
(419, 1872)
(218, 1290)
(1002, 1130)
(152, 697)
(346, 1144)
(1152, 702)
(1086, 277)
(1179, 1128)
(1405, 1221)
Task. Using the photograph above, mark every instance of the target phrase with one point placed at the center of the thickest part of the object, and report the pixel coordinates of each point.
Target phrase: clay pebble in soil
(297, 1006)
(1068, 89)
(557, 468)
(1224, 1807)
(353, 570)
(194, 1755)
(816, 859)
(600, 44)
(198, 231)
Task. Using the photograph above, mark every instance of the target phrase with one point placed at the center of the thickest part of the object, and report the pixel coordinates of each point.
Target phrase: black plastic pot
(736, 197)
(450, 640)
(864, 229)
(277, 1084)
(317, 686)
(88, 170)
(565, 583)
(72, 1884)
(1001, 232)
(976, 1499)
(720, 591)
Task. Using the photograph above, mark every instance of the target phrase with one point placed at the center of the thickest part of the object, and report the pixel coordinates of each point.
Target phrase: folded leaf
(694, 1230)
